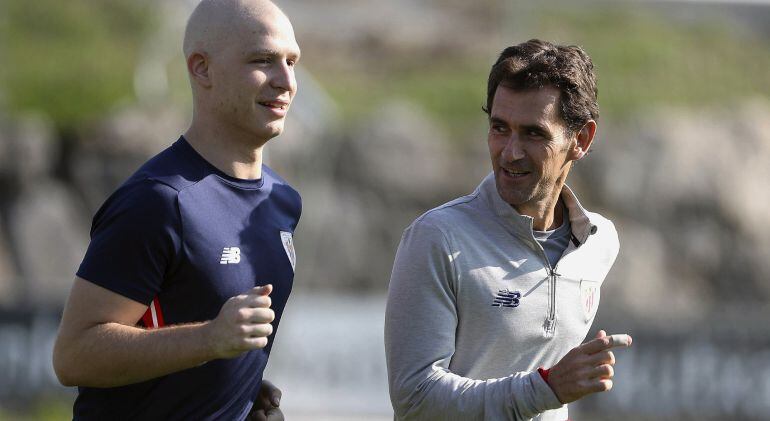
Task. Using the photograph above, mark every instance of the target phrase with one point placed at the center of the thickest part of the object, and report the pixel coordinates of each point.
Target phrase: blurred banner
(709, 369)
(329, 361)
(26, 345)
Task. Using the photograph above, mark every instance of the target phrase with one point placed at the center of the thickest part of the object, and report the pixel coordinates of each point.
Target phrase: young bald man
(490, 290)
(174, 308)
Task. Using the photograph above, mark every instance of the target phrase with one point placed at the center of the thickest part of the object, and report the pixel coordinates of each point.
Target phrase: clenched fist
(587, 368)
(243, 323)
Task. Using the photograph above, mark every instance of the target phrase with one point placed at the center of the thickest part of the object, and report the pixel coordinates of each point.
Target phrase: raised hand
(587, 368)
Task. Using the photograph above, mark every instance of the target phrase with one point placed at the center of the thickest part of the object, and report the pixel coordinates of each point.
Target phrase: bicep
(89, 305)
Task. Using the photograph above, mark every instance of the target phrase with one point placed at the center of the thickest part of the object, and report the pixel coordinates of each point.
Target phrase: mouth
(514, 173)
(275, 105)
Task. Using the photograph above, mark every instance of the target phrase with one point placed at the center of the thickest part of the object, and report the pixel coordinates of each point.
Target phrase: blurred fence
(712, 369)
(26, 344)
(329, 361)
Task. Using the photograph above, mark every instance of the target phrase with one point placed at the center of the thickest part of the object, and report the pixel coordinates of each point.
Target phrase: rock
(49, 236)
(644, 277)
(28, 155)
(9, 277)
(699, 178)
(111, 151)
(369, 28)
(333, 238)
(28, 150)
(399, 155)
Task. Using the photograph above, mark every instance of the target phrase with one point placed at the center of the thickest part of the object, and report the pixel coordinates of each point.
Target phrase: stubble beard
(532, 194)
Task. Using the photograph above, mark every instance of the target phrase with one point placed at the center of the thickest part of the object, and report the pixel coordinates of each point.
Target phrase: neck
(547, 213)
(547, 216)
(234, 154)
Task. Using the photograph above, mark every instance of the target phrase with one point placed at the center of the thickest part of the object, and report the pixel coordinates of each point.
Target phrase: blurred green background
(72, 61)
(101, 78)
(76, 61)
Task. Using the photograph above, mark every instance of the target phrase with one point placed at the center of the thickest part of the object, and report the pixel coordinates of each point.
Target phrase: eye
(498, 128)
(261, 61)
(536, 134)
(291, 63)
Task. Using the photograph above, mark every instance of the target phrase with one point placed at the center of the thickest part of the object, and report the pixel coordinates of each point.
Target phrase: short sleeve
(135, 240)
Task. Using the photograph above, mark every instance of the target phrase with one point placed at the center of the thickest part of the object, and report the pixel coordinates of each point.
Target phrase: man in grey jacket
(489, 289)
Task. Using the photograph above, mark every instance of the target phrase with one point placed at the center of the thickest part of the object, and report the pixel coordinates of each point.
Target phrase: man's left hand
(266, 405)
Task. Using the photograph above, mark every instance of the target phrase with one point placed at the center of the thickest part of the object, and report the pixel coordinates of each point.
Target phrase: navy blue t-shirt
(183, 237)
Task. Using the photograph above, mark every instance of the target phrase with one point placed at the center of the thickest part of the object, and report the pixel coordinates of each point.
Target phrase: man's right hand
(587, 368)
(243, 323)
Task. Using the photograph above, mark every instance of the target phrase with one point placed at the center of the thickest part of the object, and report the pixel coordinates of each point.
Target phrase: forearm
(112, 354)
(441, 394)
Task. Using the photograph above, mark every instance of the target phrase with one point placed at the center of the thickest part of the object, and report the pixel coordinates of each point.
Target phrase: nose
(283, 77)
(513, 149)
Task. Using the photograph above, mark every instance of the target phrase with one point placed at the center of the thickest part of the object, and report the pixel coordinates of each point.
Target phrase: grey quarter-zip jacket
(474, 308)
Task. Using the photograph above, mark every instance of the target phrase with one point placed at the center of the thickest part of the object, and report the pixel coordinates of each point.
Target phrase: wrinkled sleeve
(420, 323)
(135, 237)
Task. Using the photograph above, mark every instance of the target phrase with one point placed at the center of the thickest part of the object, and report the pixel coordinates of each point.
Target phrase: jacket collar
(579, 218)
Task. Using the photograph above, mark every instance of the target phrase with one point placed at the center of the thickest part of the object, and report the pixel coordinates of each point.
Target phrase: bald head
(240, 58)
(213, 23)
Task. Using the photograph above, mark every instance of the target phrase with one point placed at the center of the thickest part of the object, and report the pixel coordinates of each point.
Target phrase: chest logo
(230, 256)
(288, 244)
(505, 298)
(589, 297)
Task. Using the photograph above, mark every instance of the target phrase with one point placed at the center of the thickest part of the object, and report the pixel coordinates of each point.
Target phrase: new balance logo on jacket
(505, 298)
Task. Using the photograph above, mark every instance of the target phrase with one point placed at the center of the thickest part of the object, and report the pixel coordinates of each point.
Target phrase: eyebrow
(497, 120)
(273, 53)
(536, 126)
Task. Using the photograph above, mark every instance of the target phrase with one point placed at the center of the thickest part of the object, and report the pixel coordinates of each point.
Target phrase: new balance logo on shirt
(506, 298)
(230, 256)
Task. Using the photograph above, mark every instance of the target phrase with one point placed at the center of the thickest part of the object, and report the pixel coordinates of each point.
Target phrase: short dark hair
(537, 64)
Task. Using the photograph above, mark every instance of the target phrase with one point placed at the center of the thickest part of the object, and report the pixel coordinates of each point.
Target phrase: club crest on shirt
(589, 297)
(288, 245)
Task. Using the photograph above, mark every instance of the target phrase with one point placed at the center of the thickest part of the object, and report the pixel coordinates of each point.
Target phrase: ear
(198, 67)
(583, 140)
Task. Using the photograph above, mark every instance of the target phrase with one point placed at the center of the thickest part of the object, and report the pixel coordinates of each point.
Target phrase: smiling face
(252, 78)
(241, 56)
(530, 149)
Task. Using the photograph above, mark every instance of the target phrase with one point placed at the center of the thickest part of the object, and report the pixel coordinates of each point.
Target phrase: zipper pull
(549, 326)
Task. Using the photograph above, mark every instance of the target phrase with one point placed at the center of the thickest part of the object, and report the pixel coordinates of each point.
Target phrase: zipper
(549, 326)
(550, 321)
